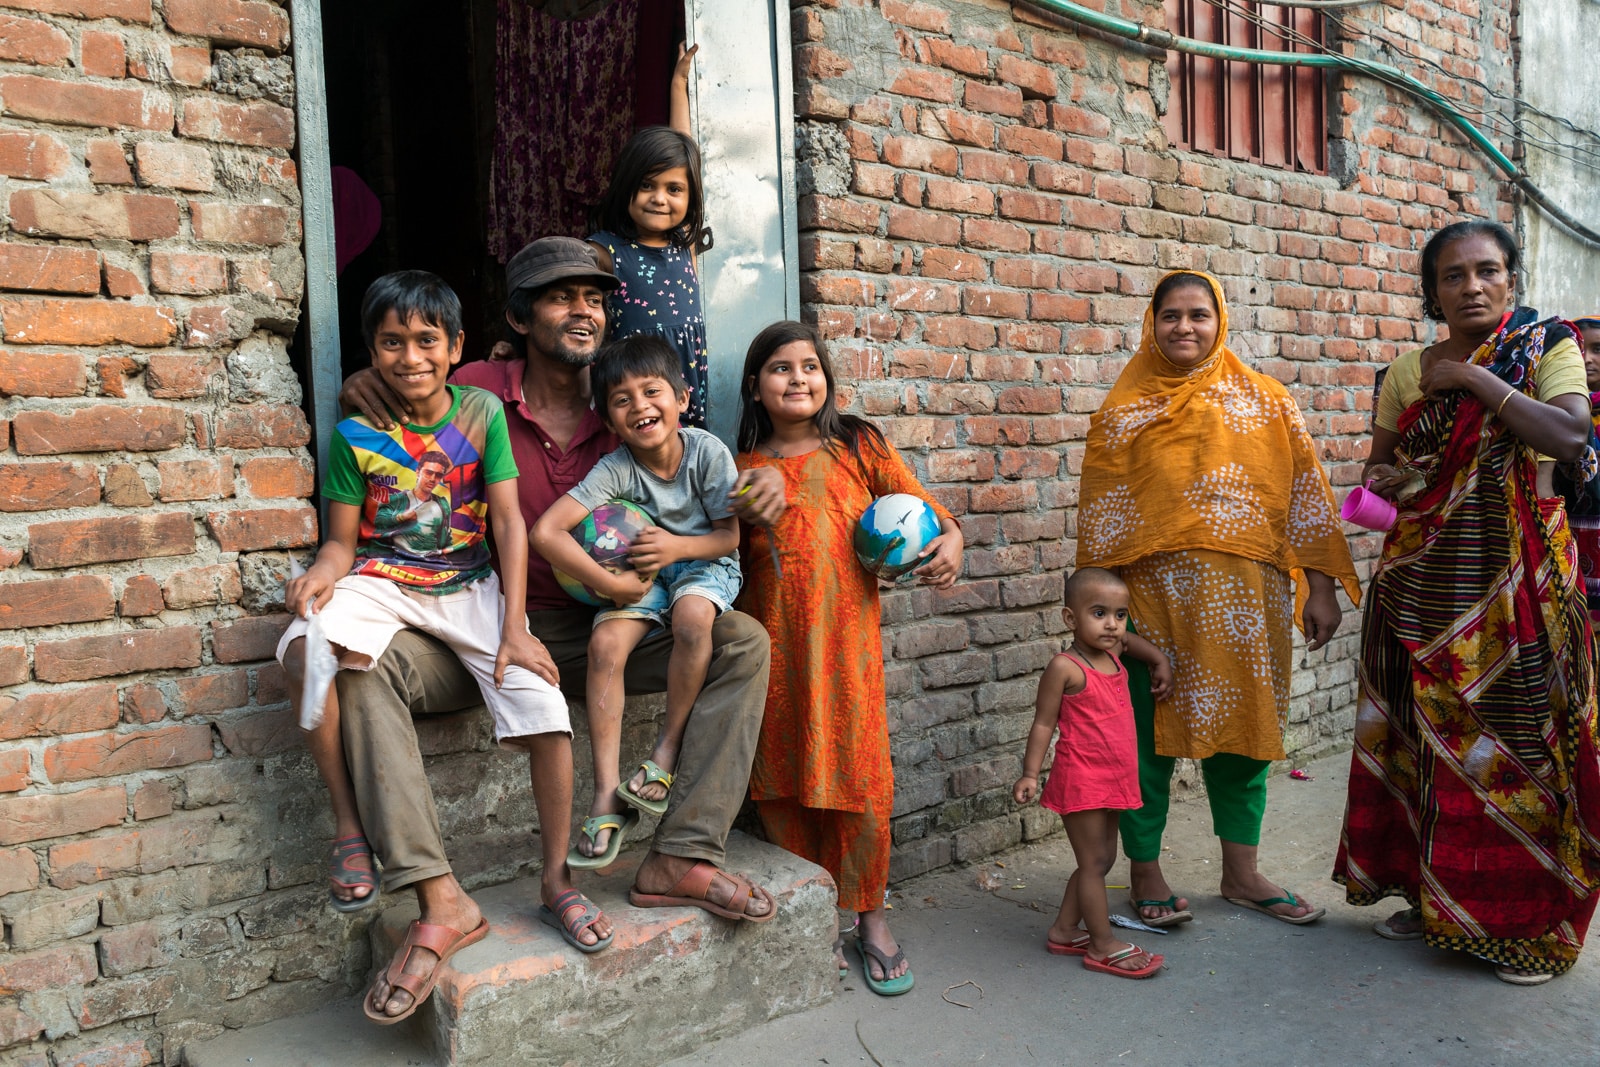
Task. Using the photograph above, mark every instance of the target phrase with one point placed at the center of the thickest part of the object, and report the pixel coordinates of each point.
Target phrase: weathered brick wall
(988, 200)
(154, 473)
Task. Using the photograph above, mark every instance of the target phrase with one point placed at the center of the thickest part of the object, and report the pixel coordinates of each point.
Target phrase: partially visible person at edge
(1474, 786)
(1582, 497)
(1201, 488)
(556, 313)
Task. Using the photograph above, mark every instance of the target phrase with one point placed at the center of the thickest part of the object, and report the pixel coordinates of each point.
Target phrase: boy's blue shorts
(718, 580)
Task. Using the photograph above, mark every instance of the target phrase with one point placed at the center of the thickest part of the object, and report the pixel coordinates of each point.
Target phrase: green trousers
(1235, 785)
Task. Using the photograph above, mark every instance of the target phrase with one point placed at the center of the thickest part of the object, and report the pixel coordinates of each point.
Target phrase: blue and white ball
(891, 532)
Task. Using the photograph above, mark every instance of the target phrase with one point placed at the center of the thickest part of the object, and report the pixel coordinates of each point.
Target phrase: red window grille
(1272, 115)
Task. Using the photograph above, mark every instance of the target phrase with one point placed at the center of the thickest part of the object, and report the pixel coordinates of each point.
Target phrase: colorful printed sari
(1475, 781)
(1579, 486)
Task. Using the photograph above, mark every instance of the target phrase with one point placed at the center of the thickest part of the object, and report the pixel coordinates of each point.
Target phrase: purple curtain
(564, 106)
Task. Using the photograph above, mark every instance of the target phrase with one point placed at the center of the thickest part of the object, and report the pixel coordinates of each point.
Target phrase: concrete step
(674, 979)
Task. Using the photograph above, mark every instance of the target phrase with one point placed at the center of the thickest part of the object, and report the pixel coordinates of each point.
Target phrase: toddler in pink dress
(1084, 692)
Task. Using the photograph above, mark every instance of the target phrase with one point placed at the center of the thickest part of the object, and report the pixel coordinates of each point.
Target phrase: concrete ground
(1239, 988)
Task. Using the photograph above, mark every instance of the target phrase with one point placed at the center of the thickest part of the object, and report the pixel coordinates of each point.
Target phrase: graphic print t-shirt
(431, 541)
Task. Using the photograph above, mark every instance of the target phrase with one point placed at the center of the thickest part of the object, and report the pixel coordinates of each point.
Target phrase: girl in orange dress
(822, 781)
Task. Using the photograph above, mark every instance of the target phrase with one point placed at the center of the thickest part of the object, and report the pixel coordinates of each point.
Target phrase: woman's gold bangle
(1504, 401)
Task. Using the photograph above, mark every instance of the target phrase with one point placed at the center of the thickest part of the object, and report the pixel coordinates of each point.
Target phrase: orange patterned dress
(822, 780)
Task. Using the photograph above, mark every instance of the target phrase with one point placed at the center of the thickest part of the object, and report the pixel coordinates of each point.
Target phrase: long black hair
(1457, 231)
(648, 153)
(836, 427)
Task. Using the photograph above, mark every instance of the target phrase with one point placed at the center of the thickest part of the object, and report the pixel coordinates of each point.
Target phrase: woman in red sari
(1475, 783)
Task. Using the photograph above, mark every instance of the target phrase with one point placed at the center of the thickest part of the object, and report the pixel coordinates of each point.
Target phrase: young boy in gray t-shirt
(687, 570)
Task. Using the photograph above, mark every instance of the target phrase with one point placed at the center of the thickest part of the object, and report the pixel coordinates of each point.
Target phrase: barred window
(1271, 115)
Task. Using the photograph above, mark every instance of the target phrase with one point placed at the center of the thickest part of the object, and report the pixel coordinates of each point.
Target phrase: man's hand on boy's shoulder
(522, 649)
(759, 496)
(366, 393)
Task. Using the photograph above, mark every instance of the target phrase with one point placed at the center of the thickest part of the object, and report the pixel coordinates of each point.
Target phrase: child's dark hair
(1182, 280)
(648, 153)
(410, 293)
(836, 427)
(1459, 231)
(643, 355)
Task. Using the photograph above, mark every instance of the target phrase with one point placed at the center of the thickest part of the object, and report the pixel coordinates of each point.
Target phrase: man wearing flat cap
(555, 311)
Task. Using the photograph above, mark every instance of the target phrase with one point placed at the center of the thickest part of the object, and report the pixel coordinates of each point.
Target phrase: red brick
(832, 213)
(276, 477)
(19, 870)
(143, 704)
(1027, 141)
(102, 428)
(258, 124)
(41, 374)
(214, 325)
(262, 426)
(994, 303)
(960, 126)
(129, 1053)
(1036, 81)
(125, 487)
(190, 65)
(103, 755)
(924, 84)
(123, 10)
(964, 58)
(104, 655)
(169, 377)
(949, 331)
(188, 273)
(141, 597)
(203, 587)
(107, 1002)
(990, 233)
(243, 22)
(45, 321)
(144, 850)
(177, 166)
(153, 800)
(241, 224)
(920, 153)
(48, 269)
(54, 712)
(917, 15)
(13, 664)
(52, 601)
(52, 968)
(995, 99)
(103, 55)
(205, 694)
(122, 282)
(32, 41)
(248, 639)
(60, 814)
(196, 479)
(32, 154)
(916, 294)
(1037, 400)
(14, 775)
(1031, 207)
(818, 63)
(82, 541)
(85, 103)
(62, 213)
(960, 196)
(44, 486)
(926, 226)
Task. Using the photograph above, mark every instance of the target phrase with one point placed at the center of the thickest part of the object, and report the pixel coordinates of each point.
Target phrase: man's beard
(555, 345)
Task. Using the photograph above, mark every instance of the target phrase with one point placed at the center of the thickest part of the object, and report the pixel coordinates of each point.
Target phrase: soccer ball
(891, 532)
(606, 535)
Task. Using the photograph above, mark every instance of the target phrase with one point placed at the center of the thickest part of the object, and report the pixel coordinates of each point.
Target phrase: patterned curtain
(564, 106)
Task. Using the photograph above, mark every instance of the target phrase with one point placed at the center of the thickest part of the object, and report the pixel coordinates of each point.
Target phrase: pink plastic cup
(1366, 508)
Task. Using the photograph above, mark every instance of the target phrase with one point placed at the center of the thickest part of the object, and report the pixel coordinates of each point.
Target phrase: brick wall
(988, 200)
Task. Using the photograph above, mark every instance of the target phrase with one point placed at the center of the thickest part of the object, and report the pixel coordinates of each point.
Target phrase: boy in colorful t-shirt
(407, 511)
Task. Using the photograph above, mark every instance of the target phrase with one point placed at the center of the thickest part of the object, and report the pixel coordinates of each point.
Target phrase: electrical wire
(1169, 41)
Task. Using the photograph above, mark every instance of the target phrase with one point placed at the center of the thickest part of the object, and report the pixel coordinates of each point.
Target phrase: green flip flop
(884, 987)
(1264, 906)
(618, 823)
(652, 773)
(1174, 919)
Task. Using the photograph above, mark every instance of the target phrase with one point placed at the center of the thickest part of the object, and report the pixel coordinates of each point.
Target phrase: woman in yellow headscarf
(1201, 487)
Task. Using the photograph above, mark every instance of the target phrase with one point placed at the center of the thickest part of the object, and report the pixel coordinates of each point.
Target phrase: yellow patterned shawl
(1216, 457)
